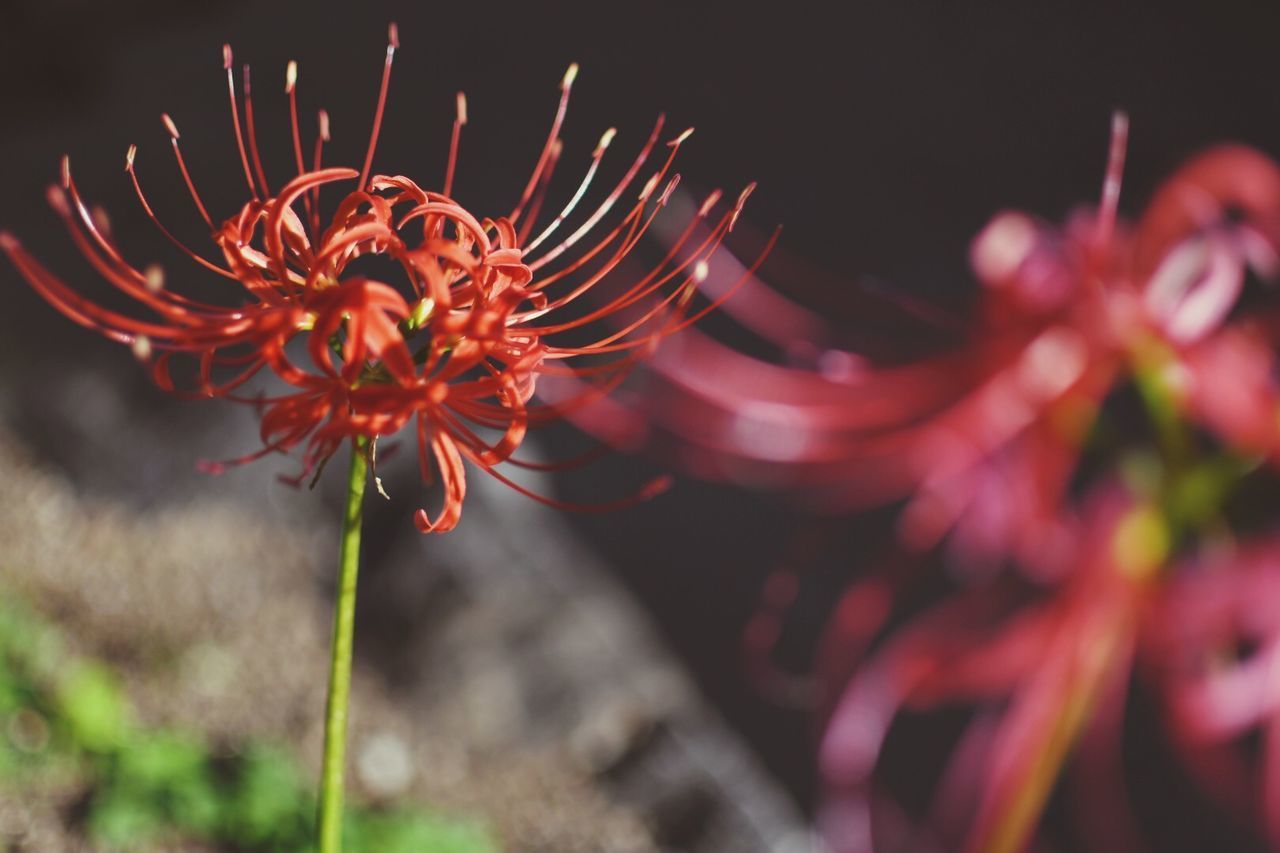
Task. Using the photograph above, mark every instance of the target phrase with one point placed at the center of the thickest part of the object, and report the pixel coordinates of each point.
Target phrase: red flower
(1041, 675)
(1047, 680)
(983, 445)
(455, 348)
(983, 439)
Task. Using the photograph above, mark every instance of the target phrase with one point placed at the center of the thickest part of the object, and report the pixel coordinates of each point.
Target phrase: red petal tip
(8, 243)
(447, 521)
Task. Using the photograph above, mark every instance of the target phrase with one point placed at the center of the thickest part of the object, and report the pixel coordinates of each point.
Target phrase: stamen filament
(182, 167)
(235, 121)
(393, 42)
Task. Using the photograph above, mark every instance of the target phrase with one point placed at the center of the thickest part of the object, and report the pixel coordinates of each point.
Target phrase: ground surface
(501, 673)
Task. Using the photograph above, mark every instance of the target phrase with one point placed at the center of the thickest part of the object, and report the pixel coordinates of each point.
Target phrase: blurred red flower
(1041, 675)
(1050, 606)
(982, 439)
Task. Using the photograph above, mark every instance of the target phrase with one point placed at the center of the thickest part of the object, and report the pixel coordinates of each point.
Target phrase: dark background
(883, 135)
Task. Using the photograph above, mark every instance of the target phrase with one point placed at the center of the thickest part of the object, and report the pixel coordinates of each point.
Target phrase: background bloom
(1066, 464)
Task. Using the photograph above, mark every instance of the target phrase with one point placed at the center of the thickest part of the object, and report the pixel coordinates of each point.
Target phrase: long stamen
(639, 290)
(540, 195)
(596, 157)
(648, 284)
(1111, 182)
(740, 203)
(253, 137)
(291, 89)
(322, 136)
(566, 84)
(59, 296)
(644, 286)
(147, 285)
(393, 42)
(603, 210)
(147, 288)
(605, 345)
(113, 267)
(133, 176)
(117, 326)
(624, 231)
(182, 167)
(235, 119)
(459, 120)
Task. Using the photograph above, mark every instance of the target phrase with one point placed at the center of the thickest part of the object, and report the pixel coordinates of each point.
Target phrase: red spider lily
(982, 440)
(982, 443)
(1042, 674)
(1050, 678)
(456, 348)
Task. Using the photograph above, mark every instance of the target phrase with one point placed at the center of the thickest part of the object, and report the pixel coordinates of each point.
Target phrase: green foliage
(159, 788)
(92, 707)
(410, 832)
(270, 808)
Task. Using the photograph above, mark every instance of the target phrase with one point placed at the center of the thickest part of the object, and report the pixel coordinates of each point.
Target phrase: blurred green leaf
(269, 806)
(165, 787)
(172, 772)
(93, 707)
(155, 761)
(120, 820)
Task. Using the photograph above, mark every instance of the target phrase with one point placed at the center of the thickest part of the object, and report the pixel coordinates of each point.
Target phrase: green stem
(1171, 432)
(344, 620)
